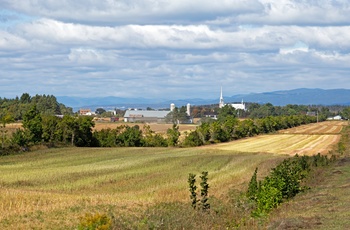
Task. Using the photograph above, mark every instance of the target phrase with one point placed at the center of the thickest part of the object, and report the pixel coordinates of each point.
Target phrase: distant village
(188, 114)
(158, 116)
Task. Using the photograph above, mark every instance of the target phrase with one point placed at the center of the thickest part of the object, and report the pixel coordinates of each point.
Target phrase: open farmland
(54, 187)
(304, 140)
(51, 189)
(326, 127)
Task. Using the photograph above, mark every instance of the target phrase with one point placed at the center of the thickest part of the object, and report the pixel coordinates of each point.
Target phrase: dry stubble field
(303, 140)
(50, 189)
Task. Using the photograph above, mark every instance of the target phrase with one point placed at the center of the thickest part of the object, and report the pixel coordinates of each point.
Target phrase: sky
(172, 49)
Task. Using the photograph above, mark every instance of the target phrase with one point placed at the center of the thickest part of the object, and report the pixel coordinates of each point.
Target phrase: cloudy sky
(172, 49)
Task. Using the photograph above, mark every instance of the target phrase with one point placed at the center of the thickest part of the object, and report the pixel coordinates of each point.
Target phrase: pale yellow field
(284, 144)
(326, 127)
(304, 140)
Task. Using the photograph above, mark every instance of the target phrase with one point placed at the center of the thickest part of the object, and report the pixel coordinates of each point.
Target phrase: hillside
(284, 97)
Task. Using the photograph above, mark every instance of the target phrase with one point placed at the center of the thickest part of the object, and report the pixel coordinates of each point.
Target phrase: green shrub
(204, 205)
(253, 186)
(283, 183)
(192, 187)
(95, 221)
(204, 191)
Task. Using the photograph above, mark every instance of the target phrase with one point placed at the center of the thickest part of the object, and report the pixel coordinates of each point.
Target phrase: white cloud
(11, 42)
(158, 48)
(133, 11)
(299, 12)
(183, 37)
(298, 47)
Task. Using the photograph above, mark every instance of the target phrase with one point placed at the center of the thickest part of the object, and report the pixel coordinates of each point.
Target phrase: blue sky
(172, 49)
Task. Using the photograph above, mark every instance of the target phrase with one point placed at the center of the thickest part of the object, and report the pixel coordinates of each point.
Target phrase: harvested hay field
(326, 127)
(303, 140)
(51, 189)
(290, 144)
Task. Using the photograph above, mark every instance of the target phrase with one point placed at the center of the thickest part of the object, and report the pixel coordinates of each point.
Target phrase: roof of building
(146, 113)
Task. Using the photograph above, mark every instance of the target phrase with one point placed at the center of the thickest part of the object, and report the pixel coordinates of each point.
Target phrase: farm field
(304, 140)
(326, 127)
(55, 187)
(51, 189)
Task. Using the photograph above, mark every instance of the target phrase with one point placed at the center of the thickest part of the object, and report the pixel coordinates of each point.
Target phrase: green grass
(44, 187)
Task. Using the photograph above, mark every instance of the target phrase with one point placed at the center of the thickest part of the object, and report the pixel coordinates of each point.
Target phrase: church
(236, 106)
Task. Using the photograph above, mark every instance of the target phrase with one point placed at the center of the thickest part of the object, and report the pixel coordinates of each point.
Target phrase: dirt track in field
(304, 140)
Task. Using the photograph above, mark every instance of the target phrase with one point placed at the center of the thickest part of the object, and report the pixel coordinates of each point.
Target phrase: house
(336, 118)
(151, 116)
(85, 112)
(312, 114)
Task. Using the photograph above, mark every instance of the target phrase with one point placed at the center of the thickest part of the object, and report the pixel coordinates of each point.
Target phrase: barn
(150, 116)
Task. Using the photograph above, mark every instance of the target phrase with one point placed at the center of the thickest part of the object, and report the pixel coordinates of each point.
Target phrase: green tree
(193, 139)
(99, 111)
(68, 128)
(130, 137)
(25, 98)
(5, 119)
(32, 122)
(177, 116)
(84, 137)
(173, 135)
(50, 129)
(225, 112)
(346, 113)
(152, 139)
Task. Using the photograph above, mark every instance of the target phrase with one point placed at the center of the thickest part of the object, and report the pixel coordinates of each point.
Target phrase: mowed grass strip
(62, 184)
(304, 140)
(284, 144)
(326, 127)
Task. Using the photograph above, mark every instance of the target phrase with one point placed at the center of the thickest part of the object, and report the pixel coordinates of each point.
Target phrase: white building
(145, 116)
(235, 105)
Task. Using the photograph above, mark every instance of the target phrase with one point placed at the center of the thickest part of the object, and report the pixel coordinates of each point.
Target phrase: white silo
(172, 107)
(188, 109)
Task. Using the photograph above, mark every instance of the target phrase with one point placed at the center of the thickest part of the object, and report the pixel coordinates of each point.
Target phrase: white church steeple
(221, 103)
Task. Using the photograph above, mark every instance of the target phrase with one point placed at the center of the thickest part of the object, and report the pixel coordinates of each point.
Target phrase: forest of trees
(46, 105)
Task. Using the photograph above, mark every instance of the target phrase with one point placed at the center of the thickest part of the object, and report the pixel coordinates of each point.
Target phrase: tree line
(45, 104)
(228, 127)
(41, 126)
(49, 130)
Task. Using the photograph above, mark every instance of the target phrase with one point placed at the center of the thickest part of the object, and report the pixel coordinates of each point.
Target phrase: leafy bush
(95, 221)
(204, 190)
(283, 183)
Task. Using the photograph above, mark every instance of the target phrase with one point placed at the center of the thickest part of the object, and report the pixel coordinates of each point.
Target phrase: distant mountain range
(297, 96)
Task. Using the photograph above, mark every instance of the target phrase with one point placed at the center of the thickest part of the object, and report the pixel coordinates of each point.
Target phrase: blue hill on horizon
(301, 96)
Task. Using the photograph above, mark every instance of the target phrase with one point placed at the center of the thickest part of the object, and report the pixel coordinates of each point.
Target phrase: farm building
(338, 117)
(86, 112)
(145, 116)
